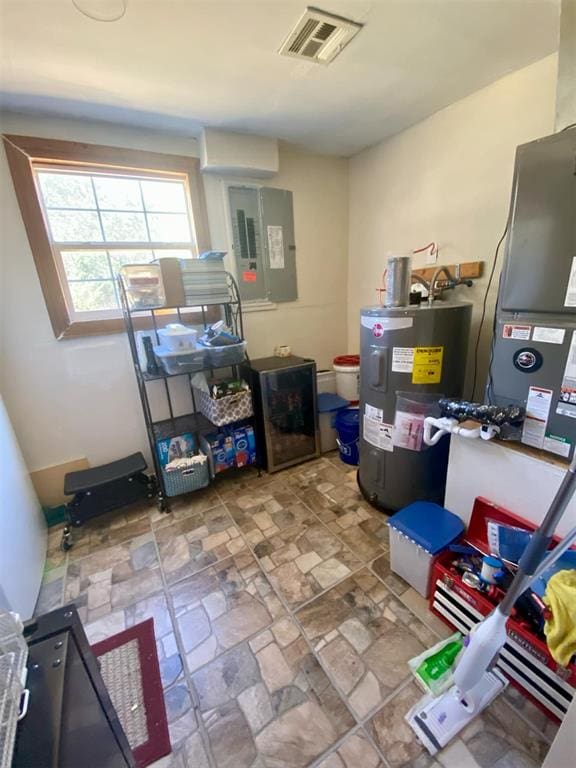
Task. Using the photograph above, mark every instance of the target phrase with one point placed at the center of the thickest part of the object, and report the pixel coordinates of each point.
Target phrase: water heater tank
(407, 354)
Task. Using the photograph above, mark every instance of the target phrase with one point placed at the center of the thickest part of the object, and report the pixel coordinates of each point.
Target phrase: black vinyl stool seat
(105, 488)
(89, 479)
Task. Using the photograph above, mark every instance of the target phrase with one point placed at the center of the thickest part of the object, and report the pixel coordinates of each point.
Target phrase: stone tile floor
(282, 634)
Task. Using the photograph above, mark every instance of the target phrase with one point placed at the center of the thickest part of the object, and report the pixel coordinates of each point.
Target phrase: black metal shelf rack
(177, 424)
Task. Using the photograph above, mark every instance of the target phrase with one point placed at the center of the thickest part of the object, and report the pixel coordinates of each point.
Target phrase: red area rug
(129, 666)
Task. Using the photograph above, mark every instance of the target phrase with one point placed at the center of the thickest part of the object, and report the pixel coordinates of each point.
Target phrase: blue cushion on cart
(431, 526)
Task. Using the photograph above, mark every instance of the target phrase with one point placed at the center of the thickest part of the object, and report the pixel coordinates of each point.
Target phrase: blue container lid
(429, 525)
(348, 417)
(327, 402)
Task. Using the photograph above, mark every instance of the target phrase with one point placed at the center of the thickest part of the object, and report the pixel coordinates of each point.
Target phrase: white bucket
(347, 368)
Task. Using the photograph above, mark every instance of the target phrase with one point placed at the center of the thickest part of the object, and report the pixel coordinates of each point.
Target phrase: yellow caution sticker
(427, 367)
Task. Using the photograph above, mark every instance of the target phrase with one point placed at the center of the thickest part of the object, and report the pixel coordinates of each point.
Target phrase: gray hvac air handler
(401, 347)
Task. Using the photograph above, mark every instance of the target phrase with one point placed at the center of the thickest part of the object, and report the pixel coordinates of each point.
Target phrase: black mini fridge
(286, 417)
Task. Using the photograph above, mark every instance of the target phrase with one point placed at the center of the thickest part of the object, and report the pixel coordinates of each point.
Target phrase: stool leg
(67, 541)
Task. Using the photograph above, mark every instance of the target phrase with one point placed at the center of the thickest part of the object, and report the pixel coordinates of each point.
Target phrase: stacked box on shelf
(229, 447)
(204, 281)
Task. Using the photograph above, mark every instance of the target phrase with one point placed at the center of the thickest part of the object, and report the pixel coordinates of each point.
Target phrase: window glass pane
(169, 227)
(75, 226)
(176, 253)
(66, 190)
(126, 227)
(86, 265)
(118, 194)
(119, 258)
(164, 196)
(88, 297)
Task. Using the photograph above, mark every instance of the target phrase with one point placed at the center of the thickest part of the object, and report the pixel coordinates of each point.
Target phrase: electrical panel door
(279, 245)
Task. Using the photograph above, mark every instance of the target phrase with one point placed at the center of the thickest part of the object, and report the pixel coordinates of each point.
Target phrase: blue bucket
(347, 423)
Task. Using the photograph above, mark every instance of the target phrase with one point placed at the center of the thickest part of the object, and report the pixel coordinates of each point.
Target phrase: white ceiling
(179, 64)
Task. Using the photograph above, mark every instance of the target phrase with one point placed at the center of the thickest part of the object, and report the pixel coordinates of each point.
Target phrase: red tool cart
(525, 658)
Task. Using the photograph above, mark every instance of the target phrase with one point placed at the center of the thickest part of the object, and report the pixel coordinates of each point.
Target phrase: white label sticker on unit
(559, 445)
(402, 359)
(383, 324)
(567, 403)
(549, 335)
(570, 300)
(275, 247)
(516, 332)
(374, 413)
(378, 434)
(537, 410)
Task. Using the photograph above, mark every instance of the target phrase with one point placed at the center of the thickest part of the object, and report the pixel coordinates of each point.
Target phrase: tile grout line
(186, 673)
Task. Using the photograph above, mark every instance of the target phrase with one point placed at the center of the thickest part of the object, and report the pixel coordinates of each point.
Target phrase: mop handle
(532, 557)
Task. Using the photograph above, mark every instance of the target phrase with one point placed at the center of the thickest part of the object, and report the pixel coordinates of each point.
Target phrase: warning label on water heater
(402, 359)
(427, 368)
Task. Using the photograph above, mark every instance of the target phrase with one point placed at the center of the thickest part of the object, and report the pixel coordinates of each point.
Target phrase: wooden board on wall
(469, 270)
(49, 482)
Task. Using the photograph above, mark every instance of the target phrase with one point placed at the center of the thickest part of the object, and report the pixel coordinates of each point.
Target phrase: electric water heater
(410, 356)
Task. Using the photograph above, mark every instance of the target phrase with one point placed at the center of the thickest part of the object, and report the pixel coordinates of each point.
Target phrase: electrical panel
(264, 243)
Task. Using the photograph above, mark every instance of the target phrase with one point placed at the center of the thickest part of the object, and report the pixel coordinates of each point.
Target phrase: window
(88, 210)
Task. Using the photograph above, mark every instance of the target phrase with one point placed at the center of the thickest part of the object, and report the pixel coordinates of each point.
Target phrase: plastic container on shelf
(417, 534)
(143, 285)
(231, 354)
(181, 361)
(347, 368)
(178, 337)
(347, 424)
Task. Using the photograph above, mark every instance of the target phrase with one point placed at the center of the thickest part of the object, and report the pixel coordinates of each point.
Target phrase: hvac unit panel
(510, 383)
(542, 240)
(391, 476)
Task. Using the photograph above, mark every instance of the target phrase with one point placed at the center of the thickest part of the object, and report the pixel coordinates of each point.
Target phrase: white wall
(23, 540)
(446, 179)
(74, 398)
(504, 475)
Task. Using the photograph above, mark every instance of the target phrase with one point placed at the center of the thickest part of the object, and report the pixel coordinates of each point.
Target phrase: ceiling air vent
(319, 36)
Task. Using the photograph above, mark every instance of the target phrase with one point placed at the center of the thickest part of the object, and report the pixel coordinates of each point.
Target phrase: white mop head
(436, 721)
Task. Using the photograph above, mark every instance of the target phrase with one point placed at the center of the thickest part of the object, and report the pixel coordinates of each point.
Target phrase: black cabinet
(71, 721)
(284, 392)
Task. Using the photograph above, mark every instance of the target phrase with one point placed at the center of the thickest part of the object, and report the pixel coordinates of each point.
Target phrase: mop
(436, 721)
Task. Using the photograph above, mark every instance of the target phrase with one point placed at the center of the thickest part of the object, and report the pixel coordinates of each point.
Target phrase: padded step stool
(102, 489)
